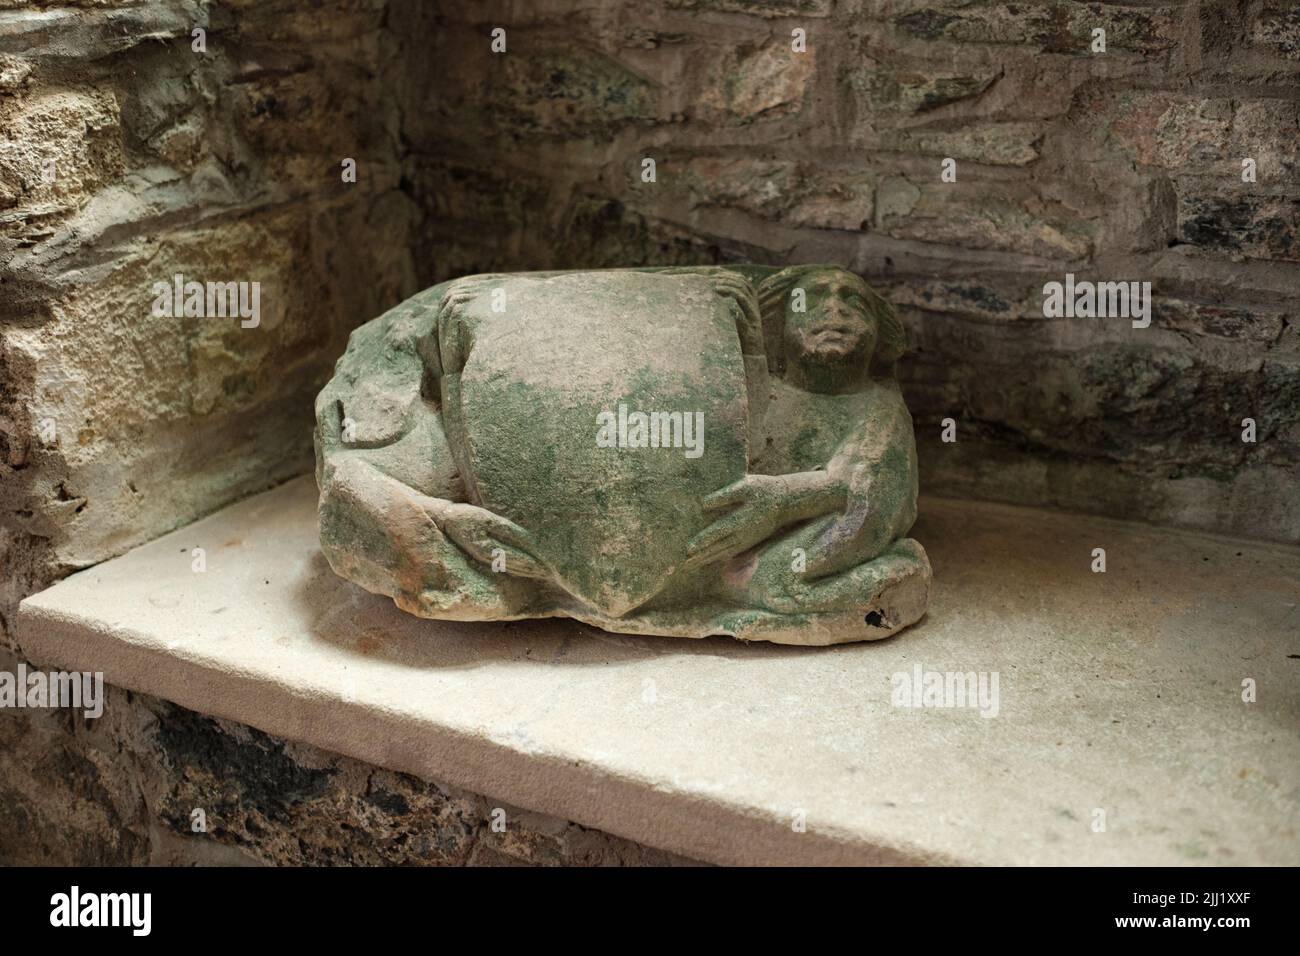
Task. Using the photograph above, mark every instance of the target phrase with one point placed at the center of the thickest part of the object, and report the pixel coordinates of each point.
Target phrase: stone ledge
(1118, 691)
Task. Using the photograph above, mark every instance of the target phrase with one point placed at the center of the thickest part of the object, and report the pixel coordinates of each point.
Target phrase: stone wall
(128, 156)
(123, 790)
(1122, 165)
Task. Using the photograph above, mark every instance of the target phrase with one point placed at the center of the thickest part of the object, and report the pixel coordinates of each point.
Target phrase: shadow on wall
(959, 157)
(162, 145)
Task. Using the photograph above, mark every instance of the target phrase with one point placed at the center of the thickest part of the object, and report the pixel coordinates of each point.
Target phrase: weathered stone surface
(1278, 29)
(887, 89)
(1110, 397)
(751, 85)
(624, 235)
(1260, 227)
(760, 8)
(1241, 324)
(1209, 137)
(994, 219)
(569, 93)
(988, 298)
(80, 32)
(123, 790)
(995, 144)
(1060, 27)
(57, 150)
(502, 447)
(798, 194)
(127, 157)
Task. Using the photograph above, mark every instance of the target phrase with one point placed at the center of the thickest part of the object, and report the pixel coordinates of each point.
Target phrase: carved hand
(763, 505)
(488, 537)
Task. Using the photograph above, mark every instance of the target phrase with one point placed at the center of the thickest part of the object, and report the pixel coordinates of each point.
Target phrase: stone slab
(1119, 692)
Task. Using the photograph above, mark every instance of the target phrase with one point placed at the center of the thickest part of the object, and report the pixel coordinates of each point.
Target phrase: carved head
(826, 320)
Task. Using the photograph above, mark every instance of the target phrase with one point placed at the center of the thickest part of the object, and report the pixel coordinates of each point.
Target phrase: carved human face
(836, 326)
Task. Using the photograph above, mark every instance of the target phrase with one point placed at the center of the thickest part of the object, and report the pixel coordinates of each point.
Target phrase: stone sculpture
(676, 451)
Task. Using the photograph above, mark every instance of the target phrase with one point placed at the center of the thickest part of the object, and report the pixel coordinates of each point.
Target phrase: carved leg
(868, 601)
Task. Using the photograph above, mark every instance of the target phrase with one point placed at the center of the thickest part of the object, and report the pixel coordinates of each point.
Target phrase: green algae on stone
(677, 451)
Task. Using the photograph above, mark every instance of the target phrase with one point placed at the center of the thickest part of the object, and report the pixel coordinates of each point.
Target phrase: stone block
(59, 148)
(991, 144)
(997, 218)
(758, 8)
(902, 90)
(568, 93)
(1061, 27)
(752, 84)
(1277, 29)
(796, 194)
(1237, 223)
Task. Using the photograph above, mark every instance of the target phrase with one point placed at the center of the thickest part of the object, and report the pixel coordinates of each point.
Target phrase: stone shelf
(1118, 692)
